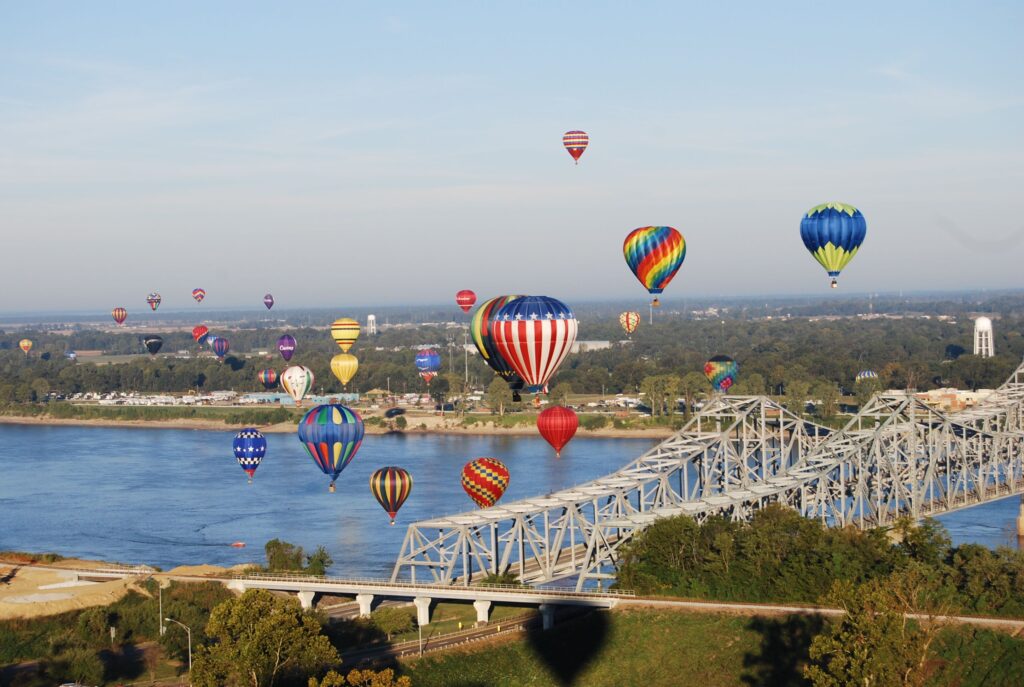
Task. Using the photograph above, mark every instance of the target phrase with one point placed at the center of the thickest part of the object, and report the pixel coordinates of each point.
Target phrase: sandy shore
(435, 424)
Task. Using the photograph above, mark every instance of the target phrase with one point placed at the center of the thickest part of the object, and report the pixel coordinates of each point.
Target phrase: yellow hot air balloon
(25, 345)
(344, 366)
(344, 331)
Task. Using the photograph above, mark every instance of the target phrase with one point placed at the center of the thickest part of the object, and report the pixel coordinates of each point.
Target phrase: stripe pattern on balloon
(534, 334)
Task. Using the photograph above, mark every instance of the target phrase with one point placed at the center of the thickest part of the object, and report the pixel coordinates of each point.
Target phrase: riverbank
(417, 424)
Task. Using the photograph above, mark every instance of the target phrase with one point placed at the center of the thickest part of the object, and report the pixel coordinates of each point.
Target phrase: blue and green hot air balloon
(331, 434)
(832, 233)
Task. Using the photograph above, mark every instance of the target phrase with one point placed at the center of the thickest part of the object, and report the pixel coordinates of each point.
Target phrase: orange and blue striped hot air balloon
(391, 486)
(331, 435)
(575, 142)
(655, 255)
(485, 480)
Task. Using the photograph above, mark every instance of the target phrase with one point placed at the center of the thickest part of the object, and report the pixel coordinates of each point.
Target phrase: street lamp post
(189, 631)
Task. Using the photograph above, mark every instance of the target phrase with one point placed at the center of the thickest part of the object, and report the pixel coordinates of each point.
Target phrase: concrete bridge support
(483, 611)
(307, 599)
(365, 602)
(547, 615)
(1020, 518)
(422, 604)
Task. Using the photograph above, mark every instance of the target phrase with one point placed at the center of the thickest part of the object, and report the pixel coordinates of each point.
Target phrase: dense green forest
(800, 356)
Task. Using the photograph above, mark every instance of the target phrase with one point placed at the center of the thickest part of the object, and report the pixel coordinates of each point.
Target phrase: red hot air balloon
(485, 480)
(200, 332)
(465, 299)
(557, 425)
(575, 142)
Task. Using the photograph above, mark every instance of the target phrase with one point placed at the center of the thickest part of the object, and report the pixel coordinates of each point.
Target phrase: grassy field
(671, 649)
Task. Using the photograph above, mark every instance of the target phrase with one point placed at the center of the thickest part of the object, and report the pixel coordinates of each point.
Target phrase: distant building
(584, 346)
(983, 345)
(371, 324)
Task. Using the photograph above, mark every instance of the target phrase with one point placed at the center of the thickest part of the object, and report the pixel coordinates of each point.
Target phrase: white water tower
(983, 345)
(371, 324)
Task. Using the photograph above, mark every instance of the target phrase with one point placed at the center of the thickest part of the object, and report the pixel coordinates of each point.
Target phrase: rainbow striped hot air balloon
(655, 255)
(485, 480)
(391, 486)
(833, 233)
(345, 331)
(575, 142)
(267, 377)
(331, 435)
(721, 371)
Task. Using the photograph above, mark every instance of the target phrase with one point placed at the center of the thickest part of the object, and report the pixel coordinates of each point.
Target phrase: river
(169, 497)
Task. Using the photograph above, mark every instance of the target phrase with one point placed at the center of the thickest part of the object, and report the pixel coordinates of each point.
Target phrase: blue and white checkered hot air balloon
(866, 374)
(250, 446)
(832, 233)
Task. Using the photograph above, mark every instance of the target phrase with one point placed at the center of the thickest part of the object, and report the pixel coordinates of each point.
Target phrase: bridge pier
(422, 604)
(307, 599)
(483, 611)
(1020, 518)
(365, 602)
(547, 615)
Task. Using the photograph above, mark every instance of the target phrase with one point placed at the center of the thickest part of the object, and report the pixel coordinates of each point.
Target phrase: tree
(401, 423)
(797, 391)
(661, 391)
(361, 678)
(258, 638)
(865, 389)
(318, 561)
(392, 620)
(498, 395)
(828, 395)
(690, 385)
(875, 643)
(283, 556)
(560, 394)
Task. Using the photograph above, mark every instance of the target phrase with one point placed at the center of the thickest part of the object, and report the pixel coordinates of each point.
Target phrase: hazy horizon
(345, 156)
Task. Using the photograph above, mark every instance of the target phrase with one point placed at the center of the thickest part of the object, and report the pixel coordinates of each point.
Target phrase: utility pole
(465, 350)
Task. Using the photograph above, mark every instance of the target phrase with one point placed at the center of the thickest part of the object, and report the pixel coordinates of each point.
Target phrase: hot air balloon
(297, 380)
(866, 374)
(268, 300)
(557, 425)
(721, 371)
(154, 300)
(268, 378)
(199, 295)
(832, 233)
(211, 340)
(428, 362)
(655, 255)
(629, 320)
(250, 446)
(481, 328)
(485, 480)
(344, 366)
(25, 345)
(465, 299)
(344, 331)
(119, 315)
(331, 435)
(391, 486)
(286, 346)
(152, 343)
(534, 335)
(199, 333)
(221, 347)
(71, 355)
(575, 142)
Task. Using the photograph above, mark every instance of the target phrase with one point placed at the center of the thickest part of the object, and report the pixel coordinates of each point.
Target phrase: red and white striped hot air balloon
(575, 142)
(534, 334)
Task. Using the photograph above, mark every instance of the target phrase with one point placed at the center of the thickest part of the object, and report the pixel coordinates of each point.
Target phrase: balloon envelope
(866, 374)
(654, 254)
(199, 333)
(268, 301)
(485, 480)
(297, 380)
(465, 299)
(575, 142)
(721, 371)
(481, 328)
(534, 335)
(119, 315)
(557, 425)
(154, 300)
(286, 346)
(344, 366)
(249, 446)
(199, 295)
(391, 486)
(152, 343)
(331, 435)
(267, 377)
(25, 345)
(832, 234)
(221, 347)
(629, 321)
(344, 331)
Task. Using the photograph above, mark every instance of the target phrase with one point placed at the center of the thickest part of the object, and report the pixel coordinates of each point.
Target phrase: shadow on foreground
(785, 643)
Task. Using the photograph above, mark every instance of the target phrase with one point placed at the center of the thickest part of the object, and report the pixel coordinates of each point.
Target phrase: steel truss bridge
(897, 457)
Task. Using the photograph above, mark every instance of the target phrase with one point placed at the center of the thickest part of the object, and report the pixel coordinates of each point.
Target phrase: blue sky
(396, 152)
